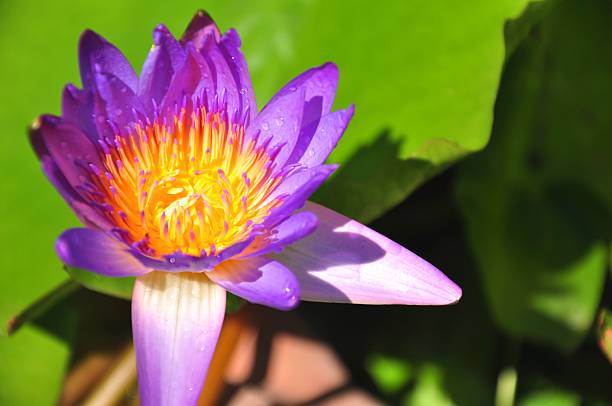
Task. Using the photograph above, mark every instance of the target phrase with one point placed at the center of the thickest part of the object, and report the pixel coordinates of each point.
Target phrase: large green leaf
(35, 358)
(423, 72)
(33, 363)
(417, 355)
(537, 202)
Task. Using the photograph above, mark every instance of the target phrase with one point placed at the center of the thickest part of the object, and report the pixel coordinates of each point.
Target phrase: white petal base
(176, 320)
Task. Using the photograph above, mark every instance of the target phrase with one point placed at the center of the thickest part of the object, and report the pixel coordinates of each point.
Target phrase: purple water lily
(180, 181)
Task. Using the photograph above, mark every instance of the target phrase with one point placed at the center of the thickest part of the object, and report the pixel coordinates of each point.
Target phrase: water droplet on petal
(243, 91)
(172, 260)
(280, 121)
(265, 126)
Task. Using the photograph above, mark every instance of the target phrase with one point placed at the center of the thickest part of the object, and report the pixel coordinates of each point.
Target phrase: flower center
(196, 187)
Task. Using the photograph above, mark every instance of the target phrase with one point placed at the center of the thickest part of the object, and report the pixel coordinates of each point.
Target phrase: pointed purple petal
(69, 148)
(176, 320)
(280, 120)
(259, 280)
(297, 188)
(165, 58)
(98, 252)
(200, 27)
(325, 138)
(184, 84)
(226, 80)
(321, 81)
(78, 108)
(98, 55)
(86, 213)
(287, 232)
(230, 44)
(120, 101)
(345, 261)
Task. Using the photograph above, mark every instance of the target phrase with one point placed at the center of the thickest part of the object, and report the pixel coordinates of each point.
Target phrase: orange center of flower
(196, 188)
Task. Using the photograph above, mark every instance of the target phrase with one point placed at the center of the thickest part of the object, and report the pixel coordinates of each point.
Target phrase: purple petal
(69, 148)
(259, 280)
(280, 120)
(316, 82)
(87, 214)
(287, 232)
(176, 320)
(230, 47)
(165, 58)
(226, 83)
(98, 252)
(77, 109)
(345, 261)
(98, 55)
(183, 85)
(200, 27)
(179, 262)
(325, 138)
(120, 102)
(297, 188)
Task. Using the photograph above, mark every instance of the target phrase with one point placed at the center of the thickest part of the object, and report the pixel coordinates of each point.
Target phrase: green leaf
(118, 287)
(426, 79)
(41, 305)
(424, 72)
(390, 374)
(33, 363)
(551, 397)
(538, 201)
(428, 355)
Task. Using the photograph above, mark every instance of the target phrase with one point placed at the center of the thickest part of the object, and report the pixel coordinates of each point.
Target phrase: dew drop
(287, 289)
(243, 91)
(172, 260)
(202, 349)
(265, 126)
(280, 121)
(118, 112)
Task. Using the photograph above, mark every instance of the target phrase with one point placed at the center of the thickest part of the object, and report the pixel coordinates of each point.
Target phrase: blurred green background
(522, 225)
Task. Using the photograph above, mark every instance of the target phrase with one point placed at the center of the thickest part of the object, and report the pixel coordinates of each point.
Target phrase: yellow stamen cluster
(198, 187)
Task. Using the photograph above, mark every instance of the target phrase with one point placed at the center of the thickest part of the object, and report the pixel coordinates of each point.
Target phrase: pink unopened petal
(176, 320)
(347, 262)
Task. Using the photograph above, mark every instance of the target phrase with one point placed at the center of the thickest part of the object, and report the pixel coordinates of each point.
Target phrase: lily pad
(538, 201)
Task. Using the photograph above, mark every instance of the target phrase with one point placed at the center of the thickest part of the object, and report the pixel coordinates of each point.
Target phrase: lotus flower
(180, 181)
